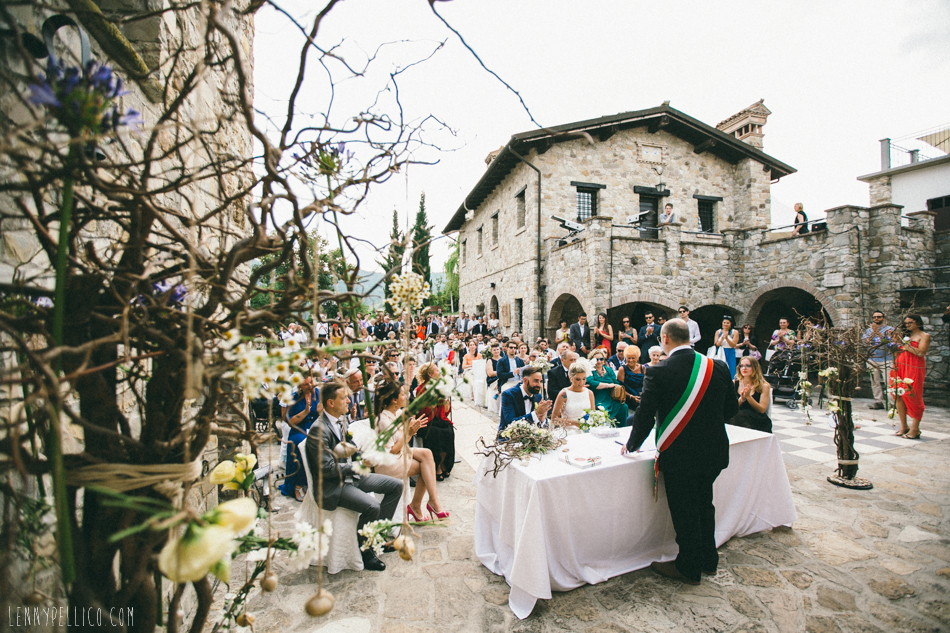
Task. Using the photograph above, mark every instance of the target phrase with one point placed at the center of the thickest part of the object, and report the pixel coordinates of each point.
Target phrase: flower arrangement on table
(520, 440)
(595, 418)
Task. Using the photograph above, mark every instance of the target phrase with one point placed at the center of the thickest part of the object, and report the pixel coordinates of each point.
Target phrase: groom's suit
(514, 406)
(695, 458)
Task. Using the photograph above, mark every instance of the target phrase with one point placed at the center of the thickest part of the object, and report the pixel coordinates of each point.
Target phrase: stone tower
(746, 125)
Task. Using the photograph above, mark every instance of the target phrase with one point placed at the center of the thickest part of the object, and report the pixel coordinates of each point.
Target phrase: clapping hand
(542, 409)
(417, 423)
(744, 392)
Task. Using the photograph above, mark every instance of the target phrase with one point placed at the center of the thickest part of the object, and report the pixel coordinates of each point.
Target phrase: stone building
(613, 174)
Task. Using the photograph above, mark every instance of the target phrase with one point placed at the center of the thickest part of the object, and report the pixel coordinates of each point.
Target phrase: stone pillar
(883, 257)
(879, 190)
(752, 186)
(599, 247)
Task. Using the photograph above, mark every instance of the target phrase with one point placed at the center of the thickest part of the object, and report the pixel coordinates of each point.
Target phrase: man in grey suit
(343, 487)
(580, 335)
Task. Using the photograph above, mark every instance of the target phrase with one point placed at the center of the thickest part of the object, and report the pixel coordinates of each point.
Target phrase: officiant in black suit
(342, 486)
(696, 456)
(523, 402)
(580, 336)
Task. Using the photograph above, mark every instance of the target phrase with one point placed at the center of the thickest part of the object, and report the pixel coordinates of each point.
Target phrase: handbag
(755, 355)
(618, 393)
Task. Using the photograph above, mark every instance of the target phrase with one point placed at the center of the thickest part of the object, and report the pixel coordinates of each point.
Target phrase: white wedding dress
(575, 404)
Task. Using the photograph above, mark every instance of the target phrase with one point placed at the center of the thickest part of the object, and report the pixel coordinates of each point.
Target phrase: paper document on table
(581, 461)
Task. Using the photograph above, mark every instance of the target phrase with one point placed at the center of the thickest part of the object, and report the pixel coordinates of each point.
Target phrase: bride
(571, 402)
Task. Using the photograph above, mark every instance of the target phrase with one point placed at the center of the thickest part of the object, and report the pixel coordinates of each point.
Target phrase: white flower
(803, 375)
(379, 458)
(908, 381)
(360, 468)
(901, 391)
(232, 337)
(257, 556)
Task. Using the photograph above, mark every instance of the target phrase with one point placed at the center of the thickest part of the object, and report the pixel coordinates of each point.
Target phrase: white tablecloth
(548, 526)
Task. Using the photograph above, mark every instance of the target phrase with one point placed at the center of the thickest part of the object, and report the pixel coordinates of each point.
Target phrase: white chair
(479, 376)
(344, 550)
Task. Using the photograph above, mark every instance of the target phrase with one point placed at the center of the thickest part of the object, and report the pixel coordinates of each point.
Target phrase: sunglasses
(745, 366)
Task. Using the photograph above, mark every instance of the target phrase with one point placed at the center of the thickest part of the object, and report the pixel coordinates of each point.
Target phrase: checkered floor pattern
(804, 443)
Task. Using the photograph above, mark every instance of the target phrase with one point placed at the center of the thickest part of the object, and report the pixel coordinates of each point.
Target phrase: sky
(837, 76)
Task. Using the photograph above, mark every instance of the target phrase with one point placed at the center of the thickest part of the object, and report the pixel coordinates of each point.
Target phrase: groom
(523, 402)
(690, 397)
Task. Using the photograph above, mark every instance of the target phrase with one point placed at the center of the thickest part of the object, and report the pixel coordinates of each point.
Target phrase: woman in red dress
(439, 433)
(911, 364)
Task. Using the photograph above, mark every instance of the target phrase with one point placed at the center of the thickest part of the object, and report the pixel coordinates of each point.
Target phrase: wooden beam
(607, 132)
(658, 123)
(705, 146)
(545, 145)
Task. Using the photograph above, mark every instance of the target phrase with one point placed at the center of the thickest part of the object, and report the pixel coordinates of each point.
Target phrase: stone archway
(493, 307)
(709, 318)
(793, 300)
(566, 307)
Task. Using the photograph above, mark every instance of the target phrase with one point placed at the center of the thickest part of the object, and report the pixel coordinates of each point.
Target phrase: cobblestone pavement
(854, 561)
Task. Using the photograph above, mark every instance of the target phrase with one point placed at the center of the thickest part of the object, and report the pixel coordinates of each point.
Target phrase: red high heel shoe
(442, 515)
(412, 514)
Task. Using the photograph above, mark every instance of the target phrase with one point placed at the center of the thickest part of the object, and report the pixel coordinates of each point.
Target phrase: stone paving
(854, 561)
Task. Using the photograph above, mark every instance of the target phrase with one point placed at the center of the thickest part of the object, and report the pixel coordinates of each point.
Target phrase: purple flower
(42, 94)
(44, 302)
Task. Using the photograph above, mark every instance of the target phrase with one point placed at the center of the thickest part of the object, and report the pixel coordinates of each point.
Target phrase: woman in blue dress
(726, 340)
(631, 375)
(300, 415)
(601, 381)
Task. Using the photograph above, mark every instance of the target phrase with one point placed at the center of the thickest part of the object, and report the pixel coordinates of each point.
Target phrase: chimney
(493, 155)
(746, 125)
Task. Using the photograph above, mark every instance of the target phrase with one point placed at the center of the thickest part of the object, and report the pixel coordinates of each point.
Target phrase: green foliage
(332, 268)
(397, 248)
(421, 236)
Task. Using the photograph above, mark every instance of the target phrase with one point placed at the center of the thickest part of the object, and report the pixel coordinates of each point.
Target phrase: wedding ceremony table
(546, 525)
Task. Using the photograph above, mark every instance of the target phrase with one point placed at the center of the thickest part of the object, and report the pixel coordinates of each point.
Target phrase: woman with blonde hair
(571, 402)
(601, 381)
(755, 395)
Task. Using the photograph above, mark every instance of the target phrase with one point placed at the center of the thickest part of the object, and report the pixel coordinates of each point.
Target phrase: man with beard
(523, 402)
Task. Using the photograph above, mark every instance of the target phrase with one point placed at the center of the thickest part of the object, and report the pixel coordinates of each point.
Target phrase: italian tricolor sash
(679, 416)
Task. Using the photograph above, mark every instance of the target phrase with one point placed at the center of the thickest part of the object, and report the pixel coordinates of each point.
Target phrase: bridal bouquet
(486, 353)
(595, 418)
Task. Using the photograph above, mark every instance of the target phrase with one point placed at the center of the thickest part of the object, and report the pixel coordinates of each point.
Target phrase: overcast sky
(837, 76)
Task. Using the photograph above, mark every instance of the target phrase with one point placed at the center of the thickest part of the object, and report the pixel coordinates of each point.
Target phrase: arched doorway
(493, 307)
(790, 303)
(565, 308)
(635, 311)
(710, 318)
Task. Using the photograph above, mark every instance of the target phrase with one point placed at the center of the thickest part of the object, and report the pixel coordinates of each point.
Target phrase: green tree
(397, 247)
(272, 284)
(421, 236)
(451, 268)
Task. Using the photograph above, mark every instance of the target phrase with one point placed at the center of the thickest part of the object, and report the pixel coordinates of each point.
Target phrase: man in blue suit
(509, 366)
(523, 402)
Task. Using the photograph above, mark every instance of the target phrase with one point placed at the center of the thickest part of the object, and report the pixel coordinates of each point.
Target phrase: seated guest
(509, 368)
(523, 401)
(631, 375)
(342, 486)
(571, 402)
(492, 397)
(441, 349)
(656, 353)
(523, 352)
(616, 361)
(354, 382)
(558, 378)
(564, 345)
(438, 434)
(300, 416)
(602, 381)
(389, 401)
(754, 397)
